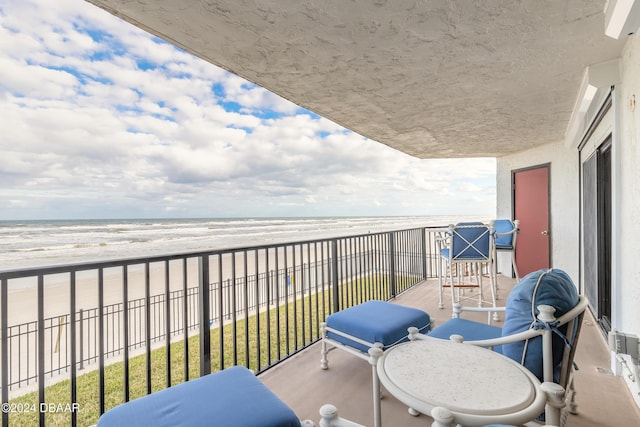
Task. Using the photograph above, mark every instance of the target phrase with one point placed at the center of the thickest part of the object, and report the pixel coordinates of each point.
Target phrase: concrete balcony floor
(603, 399)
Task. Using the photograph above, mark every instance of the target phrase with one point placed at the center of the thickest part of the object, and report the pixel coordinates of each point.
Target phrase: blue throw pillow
(551, 287)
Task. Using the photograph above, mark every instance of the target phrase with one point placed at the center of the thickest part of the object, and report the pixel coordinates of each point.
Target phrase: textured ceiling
(447, 78)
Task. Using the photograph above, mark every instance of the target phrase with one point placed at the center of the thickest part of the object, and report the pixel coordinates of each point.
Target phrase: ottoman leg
(324, 362)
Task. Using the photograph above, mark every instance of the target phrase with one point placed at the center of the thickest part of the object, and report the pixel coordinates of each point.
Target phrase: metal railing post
(167, 319)
(392, 262)
(100, 338)
(125, 331)
(423, 255)
(40, 338)
(185, 317)
(205, 334)
(72, 347)
(81, 339)
(334, 275)
(147, 323)
(5, 349)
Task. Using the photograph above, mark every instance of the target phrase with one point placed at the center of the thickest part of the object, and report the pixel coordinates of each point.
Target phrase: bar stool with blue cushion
(468, 244)
(233, 397)
(371, 324)
(505, 233)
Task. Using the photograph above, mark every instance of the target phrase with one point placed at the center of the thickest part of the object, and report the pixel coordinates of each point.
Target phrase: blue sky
(99, 119)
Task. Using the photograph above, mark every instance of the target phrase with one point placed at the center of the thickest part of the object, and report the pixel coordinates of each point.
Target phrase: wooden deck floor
(603, 399)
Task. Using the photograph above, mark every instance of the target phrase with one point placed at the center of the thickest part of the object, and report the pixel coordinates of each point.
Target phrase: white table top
(463, 378)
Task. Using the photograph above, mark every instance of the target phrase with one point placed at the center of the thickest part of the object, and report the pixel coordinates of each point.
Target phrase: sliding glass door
(596, 231)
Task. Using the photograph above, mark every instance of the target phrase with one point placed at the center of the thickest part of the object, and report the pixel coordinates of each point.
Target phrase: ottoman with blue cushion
(358, 328)
(233, 397)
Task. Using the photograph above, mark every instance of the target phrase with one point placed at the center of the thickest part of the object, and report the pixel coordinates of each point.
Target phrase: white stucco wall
(625, 305)
(626, 202)
(626, 298)
(563, 195)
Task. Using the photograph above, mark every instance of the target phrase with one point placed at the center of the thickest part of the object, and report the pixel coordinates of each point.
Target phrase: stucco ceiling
(442, 78)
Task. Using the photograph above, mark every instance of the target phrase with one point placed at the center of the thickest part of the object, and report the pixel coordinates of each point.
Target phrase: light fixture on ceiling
(622, 17)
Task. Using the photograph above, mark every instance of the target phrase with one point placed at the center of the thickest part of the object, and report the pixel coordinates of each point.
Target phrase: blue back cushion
(471, 242)
(551, 287)
(501, 226)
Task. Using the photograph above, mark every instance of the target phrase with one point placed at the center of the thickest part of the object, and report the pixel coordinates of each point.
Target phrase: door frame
(599, 137)
(605, 209)
(546, 166)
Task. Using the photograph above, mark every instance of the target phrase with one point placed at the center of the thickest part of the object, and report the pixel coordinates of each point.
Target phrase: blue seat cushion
(470, 330)
(376, 321)
(233, 397)
(551, 287)
(469, 255)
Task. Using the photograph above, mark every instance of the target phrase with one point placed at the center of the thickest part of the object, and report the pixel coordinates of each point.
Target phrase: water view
(28, 244)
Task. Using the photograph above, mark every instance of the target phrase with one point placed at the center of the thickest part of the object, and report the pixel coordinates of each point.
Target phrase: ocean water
(26, 244)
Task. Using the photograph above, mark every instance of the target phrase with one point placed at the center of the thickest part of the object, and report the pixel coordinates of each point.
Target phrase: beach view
(73, 279)
(201, 200)
(152, 154)
(28, 243)
(124, 125)
(163, 219)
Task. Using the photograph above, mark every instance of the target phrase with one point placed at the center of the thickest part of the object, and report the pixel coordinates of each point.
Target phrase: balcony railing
(188, 314)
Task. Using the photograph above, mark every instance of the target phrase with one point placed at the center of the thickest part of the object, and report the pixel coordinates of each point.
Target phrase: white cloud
(102, 119)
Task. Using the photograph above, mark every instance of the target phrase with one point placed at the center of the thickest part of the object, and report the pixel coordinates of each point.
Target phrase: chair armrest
(545, 315)
(520, 336)
(458, 309)
(442, 239)
(479, 309)
(575, 311)
(506, 233)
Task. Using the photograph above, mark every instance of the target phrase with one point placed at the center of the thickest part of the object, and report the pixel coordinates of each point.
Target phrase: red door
(531, 207)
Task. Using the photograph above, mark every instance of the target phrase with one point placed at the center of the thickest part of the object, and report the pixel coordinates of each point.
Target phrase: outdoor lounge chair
(532, 334)
(505, 233)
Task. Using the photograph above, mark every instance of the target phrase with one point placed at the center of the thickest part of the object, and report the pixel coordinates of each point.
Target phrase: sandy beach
(22, 293)
(300, 266)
